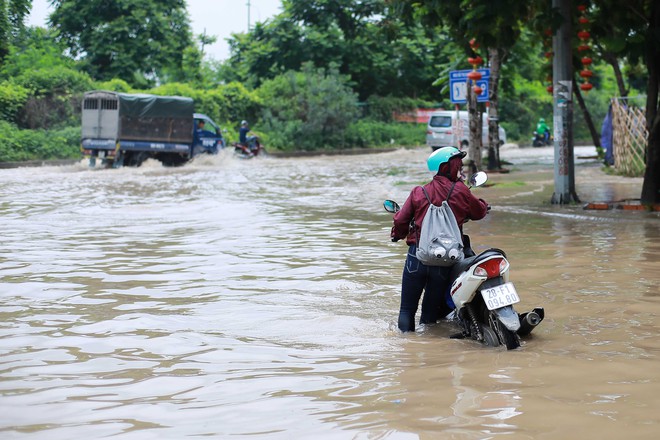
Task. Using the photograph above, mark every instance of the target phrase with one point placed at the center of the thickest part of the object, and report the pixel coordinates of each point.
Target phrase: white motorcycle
(484, 297)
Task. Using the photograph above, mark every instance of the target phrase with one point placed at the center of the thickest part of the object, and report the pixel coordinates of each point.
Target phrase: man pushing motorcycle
(434, 281)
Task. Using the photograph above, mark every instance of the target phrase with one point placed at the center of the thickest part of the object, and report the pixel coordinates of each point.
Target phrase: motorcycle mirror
(478, 179)
(391, 206)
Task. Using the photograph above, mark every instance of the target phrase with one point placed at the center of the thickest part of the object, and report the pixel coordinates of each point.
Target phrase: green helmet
(442, 155)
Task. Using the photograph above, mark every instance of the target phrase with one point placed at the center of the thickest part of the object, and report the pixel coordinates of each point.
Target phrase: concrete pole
(562, 73)
(248, 8)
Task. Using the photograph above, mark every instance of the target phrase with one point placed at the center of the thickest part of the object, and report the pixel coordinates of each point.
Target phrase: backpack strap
(450, 191)
(447, 199)
(427, 195)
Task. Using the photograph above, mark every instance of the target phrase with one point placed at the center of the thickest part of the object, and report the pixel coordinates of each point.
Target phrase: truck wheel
(136, 159)
(172, 160)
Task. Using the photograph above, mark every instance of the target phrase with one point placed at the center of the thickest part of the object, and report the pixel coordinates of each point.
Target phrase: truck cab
(207, 137)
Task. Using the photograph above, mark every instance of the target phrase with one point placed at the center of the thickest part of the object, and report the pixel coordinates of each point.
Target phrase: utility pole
(248, 5)
(562, 73)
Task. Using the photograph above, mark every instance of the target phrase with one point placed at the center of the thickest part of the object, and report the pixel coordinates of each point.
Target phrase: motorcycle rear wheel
(490, 337)
(509, 338)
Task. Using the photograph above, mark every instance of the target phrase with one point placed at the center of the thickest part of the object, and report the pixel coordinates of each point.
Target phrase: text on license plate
(500, 296)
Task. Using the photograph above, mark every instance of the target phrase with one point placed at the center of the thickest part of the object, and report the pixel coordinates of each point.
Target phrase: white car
(451, 129)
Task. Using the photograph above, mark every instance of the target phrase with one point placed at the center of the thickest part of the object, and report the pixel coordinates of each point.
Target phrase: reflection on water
(259, 298)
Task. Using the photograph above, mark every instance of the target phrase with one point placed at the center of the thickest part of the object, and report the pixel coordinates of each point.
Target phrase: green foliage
(226, 104)
(114, 85)
(12, 15)
(134, 41)
(55, 81)
(382, 56)
(20, 145)
(35, 50)
(367, 134)
(12, 99)
(55, 96)
(383, 108)
(308, 110)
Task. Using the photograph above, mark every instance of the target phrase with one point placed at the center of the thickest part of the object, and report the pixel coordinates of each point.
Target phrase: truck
(123, 129)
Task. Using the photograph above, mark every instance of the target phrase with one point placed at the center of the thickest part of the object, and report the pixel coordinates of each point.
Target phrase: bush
(54, 98)
(12, 99)
(364, 134)
(20, 145)
(114, 85)
(308, 110)
(226, 104)
(383, 108)
(55, 81)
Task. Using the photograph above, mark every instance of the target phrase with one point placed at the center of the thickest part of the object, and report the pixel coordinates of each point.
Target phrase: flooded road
(258, 299)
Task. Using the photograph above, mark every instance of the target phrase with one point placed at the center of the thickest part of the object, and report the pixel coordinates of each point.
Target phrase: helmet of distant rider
(443, 155)
(244, 123)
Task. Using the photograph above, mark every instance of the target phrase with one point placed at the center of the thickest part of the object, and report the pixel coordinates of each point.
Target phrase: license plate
(500, 296)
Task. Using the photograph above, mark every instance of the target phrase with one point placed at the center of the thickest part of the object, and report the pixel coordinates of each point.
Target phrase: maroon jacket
(462, 202)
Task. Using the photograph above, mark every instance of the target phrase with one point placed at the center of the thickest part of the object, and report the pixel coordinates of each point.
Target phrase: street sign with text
(458, 85)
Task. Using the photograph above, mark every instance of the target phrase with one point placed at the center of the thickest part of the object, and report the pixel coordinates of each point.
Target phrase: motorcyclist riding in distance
(543, 130)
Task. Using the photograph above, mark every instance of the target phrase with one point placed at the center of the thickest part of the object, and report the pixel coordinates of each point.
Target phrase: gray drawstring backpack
(440, 240)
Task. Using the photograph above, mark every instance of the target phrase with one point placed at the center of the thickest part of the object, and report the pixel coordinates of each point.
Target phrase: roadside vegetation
(321, 75)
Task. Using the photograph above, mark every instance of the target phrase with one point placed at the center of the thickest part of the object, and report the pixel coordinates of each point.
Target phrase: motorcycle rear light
(491, 268)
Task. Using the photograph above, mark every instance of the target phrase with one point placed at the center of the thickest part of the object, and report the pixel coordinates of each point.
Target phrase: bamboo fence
(630, 138)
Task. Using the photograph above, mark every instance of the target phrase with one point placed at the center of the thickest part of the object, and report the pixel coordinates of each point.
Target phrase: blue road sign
(458, 85)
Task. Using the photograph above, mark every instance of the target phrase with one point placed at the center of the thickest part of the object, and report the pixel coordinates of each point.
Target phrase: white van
(451, 129)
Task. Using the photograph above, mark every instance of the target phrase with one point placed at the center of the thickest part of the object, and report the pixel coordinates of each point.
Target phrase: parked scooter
(483, 296)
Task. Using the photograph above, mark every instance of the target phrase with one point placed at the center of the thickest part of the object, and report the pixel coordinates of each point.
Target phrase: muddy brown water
(258, 299)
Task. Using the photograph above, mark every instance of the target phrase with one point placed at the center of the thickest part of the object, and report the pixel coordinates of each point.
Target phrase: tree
(12, 16)
(362, 38)
(493, 24)
(631, 30)
(134, 41)
(651, 185)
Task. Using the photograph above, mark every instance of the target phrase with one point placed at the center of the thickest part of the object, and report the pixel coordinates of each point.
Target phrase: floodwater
(258, 299)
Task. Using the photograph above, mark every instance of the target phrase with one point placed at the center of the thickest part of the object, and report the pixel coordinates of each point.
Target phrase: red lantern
(583, 35)
(550, 89)
(583, 20)
(586, 87)
(583, 48)
(474, 75)
(477, 90)
(586, 61)
(582, 8)
(473, 44)
(548, 54)
(586, 74)
(476, 60)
